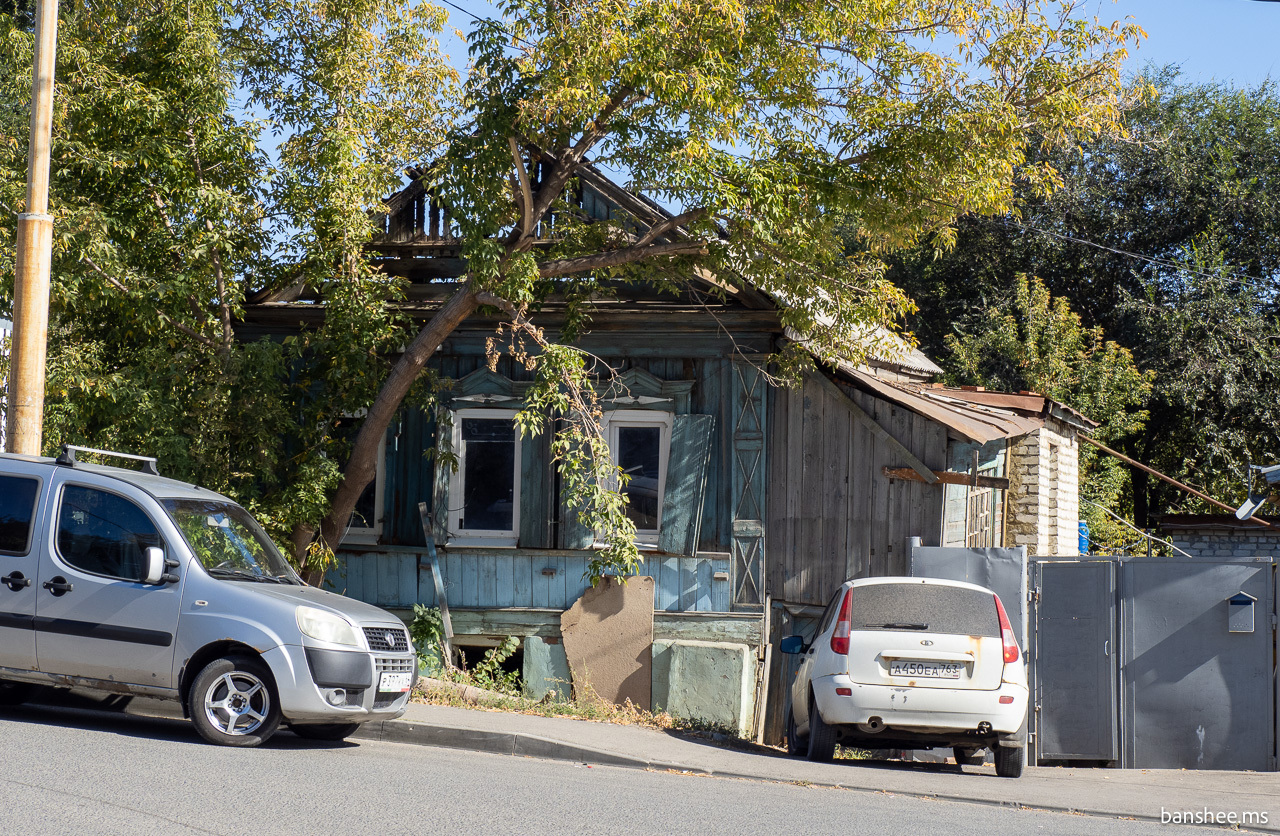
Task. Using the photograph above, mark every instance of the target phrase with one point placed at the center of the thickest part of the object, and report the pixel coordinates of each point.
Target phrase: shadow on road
(875, 760)
(111, 714)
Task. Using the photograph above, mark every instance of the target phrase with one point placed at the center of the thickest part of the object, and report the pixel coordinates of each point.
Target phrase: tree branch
(186, 329)
(671, 223)
(526, 191)
(616, 258)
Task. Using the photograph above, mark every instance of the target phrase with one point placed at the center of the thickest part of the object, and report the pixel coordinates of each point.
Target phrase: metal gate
(1198, 670)
(1073, 661)
(1155, 662)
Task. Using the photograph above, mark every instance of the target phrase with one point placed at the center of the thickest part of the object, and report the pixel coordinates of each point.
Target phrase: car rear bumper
(921, 709)
(302, 700)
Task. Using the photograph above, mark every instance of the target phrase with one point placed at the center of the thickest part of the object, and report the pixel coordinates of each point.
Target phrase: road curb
(533, 746)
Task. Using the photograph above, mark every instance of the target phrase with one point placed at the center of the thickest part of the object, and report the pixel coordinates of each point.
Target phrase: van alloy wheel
(232, 702)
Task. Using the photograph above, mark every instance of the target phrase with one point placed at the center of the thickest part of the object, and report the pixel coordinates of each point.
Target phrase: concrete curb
(525, 745)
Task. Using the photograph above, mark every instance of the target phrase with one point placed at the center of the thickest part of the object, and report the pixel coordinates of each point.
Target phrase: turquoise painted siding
(400, 578)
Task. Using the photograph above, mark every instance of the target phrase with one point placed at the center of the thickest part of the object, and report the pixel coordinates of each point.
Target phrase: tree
(767, 126)
(1036, 342)
(1177, 220)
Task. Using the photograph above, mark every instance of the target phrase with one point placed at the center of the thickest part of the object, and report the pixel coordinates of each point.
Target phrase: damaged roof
(971, 412)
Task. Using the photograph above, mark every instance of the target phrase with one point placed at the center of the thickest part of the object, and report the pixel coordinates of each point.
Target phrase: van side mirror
(155, 565)
(792, 644)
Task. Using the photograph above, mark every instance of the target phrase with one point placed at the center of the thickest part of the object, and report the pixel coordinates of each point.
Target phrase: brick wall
(1044, 491)
(1214, 541)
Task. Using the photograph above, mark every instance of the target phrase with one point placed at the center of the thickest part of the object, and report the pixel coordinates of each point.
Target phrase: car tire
(822, 736)
(1008, 762)
(968, 757)
(233, 702)
(325, 731)
(796, 745)
(15, 693)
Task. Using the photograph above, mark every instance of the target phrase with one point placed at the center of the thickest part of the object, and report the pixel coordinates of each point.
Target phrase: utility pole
(35, 242)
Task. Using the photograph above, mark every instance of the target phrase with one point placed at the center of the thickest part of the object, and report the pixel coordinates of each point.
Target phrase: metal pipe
(33, 256)
(1122, 457)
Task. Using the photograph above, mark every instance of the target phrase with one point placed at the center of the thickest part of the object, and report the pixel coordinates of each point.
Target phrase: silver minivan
(127, 582)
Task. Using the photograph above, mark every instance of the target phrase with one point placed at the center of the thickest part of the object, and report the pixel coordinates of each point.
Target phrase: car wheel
(822, 737)
(325, 731)
(1008, 762)
(15, 693)
(796, 745)
(233, 702)
(968, 757)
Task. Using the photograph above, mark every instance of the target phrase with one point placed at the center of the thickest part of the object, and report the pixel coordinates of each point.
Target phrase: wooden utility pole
(34, 245)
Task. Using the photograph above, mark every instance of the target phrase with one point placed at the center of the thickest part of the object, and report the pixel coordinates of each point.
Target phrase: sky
(1230, 41)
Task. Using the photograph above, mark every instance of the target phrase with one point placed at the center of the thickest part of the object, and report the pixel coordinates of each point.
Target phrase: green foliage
(427, 631)
(1194, 191)
(1037, 343)
(773, 127)
(488, 672)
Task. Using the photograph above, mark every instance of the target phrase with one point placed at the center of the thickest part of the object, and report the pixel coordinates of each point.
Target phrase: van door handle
(16, 581)
(58, 586)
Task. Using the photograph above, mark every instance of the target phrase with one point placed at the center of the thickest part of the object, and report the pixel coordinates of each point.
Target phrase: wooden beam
(947, 477)
(925, 474)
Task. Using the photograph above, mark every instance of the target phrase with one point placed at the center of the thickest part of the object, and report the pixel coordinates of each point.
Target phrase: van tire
(1008, 762)
(14, 693)
(822, 736)
(796, 745)
(233, 702)
(325, 731)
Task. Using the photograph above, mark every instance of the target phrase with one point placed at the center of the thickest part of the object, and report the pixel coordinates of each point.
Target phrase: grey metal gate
(1074, 660)
(1003, 571)
(1198, 670)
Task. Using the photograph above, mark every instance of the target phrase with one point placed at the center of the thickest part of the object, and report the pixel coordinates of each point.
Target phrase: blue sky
(1230, 41)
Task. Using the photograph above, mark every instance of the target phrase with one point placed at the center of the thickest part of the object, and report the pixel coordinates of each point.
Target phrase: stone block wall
(1044, 491)
(1213, 541)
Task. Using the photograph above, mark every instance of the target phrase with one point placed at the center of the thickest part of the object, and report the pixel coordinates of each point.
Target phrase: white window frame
(474, 537)
(356, 535)
(618, 418)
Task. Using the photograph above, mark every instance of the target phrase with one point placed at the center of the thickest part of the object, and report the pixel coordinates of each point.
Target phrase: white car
(911, 663)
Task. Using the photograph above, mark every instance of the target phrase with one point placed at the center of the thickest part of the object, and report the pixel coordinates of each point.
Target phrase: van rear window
(17, 506)
(925, 607)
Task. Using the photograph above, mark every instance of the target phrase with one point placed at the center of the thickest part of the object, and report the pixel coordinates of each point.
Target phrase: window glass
(17, 506)
(488, 459)
(365, 514)
(940, 609)
(104, 534)
(639, 456)
(228, 542)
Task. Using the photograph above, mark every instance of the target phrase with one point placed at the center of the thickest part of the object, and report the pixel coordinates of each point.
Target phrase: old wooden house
(751, 502)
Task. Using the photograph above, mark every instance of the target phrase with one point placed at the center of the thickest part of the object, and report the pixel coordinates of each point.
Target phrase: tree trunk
(363, 467)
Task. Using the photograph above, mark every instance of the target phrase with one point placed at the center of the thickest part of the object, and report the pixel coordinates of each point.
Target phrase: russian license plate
(394, 682)
(933, 670)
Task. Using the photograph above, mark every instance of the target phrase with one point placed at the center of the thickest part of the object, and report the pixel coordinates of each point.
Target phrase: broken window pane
(488, 474)
(639, 456)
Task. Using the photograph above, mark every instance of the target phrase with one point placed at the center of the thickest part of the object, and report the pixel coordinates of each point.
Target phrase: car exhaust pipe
(873, 726)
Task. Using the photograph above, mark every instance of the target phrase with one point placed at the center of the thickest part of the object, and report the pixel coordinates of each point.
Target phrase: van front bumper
(357, 673)
(921, 709)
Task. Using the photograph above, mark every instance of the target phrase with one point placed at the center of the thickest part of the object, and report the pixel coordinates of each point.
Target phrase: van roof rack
(68, 457)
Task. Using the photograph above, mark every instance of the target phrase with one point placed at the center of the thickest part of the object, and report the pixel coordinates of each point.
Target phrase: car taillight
(1006, 634)
(840, 637)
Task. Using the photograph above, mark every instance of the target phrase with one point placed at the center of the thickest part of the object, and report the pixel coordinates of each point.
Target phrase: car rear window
(941, 609)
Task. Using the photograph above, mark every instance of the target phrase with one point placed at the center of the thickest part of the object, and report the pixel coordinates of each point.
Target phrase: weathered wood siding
(502, 578)
(832, 514)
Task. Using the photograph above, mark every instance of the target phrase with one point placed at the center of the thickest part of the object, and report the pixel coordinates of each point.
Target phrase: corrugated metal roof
(1007, 415)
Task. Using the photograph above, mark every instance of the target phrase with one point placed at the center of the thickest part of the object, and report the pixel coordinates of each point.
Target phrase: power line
(1242, 279)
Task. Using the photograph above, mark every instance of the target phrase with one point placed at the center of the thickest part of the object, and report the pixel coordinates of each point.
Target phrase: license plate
(394, 682)
(927, 670)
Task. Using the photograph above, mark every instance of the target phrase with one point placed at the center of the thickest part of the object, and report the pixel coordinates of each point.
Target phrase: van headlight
(326, 627)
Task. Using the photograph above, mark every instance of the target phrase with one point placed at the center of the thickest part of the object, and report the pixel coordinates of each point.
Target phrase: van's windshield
(228, 542)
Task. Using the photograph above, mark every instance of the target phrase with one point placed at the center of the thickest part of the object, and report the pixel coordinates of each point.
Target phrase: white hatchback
(911, 663)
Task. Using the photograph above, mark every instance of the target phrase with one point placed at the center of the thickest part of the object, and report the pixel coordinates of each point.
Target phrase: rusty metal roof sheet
(1005, 415)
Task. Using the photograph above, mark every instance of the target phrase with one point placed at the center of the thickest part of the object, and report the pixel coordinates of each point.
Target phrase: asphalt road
(70, 771)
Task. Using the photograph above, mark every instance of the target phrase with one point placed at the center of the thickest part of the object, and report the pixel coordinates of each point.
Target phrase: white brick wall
(1044, 491)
